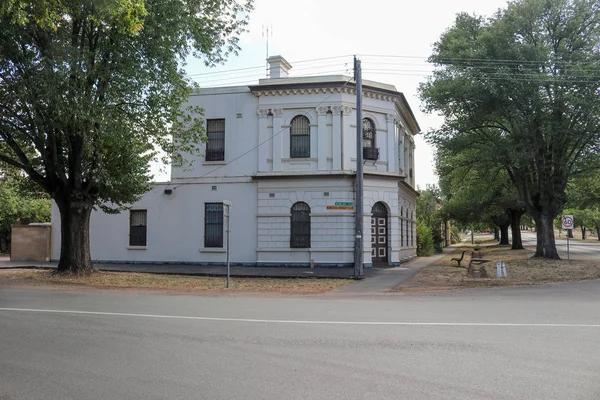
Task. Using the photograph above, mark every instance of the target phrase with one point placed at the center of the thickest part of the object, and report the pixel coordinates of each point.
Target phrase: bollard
(501, 269)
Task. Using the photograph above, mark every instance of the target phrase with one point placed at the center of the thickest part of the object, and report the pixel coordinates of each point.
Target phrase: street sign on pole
(567, 223)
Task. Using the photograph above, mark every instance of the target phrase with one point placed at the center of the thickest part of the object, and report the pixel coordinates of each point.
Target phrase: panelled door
(379, 234)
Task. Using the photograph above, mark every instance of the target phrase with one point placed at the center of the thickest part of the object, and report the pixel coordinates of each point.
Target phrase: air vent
(271, 195)
(325, 194)
(214, 188)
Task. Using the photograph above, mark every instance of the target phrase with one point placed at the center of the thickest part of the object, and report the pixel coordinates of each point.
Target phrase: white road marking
(306, 322)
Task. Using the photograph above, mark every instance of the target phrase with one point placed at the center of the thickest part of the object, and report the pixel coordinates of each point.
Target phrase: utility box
(31, 242)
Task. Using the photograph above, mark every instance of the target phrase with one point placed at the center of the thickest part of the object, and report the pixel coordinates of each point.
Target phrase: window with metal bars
(401, 226)
(412, 230)
(300, 137)
(215, 146)
(213, 225)
(370, 152)
(407, 227)
(138, 222)
(300, 226)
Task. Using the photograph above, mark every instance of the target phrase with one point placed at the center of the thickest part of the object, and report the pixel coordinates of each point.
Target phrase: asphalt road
(577, 250)
(511, 343)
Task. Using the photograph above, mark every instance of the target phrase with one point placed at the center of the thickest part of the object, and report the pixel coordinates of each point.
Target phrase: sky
(392, 38)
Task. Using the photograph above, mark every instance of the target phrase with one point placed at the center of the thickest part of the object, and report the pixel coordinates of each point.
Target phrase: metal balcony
(370, 153)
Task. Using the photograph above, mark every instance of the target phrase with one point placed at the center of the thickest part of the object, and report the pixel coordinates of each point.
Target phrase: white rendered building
(283, 152)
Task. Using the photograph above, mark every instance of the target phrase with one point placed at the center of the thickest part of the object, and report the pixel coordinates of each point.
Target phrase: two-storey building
(283, 152)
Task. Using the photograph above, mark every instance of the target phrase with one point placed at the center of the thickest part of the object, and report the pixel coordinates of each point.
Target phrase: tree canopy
(90, 89)
(522, 87)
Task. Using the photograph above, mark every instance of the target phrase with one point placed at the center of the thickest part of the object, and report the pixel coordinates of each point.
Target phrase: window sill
(212, 250)
(284, 249)
(214, 162)
(137, 248)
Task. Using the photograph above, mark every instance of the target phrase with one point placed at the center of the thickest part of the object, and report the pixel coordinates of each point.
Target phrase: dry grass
(521, 270)
(177, 283)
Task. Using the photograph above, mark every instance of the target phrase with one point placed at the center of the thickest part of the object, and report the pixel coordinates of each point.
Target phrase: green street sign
(344, 203)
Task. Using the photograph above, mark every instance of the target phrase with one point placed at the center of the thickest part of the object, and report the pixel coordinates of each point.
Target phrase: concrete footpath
(376, 279)
(381, 280)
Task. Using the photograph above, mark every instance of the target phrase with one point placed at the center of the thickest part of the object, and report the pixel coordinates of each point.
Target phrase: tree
(429, 221)
(522, 88)
(478, 191)
(91, 89)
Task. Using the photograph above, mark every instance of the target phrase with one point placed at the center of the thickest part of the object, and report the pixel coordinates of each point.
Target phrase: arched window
(370, 152)
(300, 226)
(300, 137)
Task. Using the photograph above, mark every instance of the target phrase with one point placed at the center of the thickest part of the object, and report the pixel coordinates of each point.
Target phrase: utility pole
(358, 246)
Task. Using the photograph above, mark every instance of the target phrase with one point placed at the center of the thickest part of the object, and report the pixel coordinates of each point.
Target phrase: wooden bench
(477, 260)
(459, 260)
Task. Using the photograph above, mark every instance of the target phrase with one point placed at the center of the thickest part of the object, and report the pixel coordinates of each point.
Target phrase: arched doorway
(379, 234)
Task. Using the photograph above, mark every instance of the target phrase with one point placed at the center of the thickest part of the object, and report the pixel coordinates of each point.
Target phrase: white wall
(175, 231)
(261, 223)
(237, 106)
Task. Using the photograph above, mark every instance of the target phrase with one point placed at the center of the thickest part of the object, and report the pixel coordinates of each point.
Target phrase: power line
(262, 66)
(533, 78)
(255, 147)
(485, 60)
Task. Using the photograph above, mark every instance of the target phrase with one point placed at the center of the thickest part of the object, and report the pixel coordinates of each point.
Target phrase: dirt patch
(521, 270)
(175, 283)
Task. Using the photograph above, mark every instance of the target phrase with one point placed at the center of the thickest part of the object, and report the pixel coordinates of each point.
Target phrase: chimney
(278, 67)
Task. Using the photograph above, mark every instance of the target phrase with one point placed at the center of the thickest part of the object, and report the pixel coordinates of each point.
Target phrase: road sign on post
(567, 223)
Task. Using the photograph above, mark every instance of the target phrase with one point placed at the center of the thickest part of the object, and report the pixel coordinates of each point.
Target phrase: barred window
(138, 222)
(213, 225)
(401, 226)
(215, 146)
(407, 227)
(370, 152)
(300, 137)
(300, 226)
(412, 230)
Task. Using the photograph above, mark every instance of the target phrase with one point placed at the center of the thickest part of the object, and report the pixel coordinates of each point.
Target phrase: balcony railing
(370, 153)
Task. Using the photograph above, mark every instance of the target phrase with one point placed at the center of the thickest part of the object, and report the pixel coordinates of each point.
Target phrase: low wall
(30, 243)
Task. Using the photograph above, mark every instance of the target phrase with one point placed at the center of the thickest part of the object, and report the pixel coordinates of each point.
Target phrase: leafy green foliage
(91, 89)
(425, 245)
(521, 90)
(431, 218)
(20, 204)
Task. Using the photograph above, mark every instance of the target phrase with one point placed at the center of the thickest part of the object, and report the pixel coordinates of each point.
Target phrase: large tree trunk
(515, 225)
(546, 246)
(504, 234)
(75, 238)
(598, 232)
(496, 233)
(583, 231)
(570, 233)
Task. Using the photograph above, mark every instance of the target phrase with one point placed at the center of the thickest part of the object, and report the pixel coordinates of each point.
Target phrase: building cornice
(370, 92)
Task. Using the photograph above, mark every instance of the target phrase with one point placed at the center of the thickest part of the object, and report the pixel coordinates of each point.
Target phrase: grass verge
(177, 283)
(521, 270)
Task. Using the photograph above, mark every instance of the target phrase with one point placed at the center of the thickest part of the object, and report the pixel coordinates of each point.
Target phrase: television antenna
(267, 32)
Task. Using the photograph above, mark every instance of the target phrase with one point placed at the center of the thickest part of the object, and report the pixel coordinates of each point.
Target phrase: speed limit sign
(567, 222)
